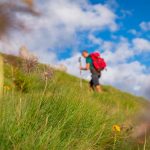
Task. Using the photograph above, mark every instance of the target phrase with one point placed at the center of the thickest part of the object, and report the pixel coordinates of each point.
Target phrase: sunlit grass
(58, 114)
(1, 75)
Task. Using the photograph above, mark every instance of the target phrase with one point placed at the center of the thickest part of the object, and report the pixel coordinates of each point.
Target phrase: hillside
(55, 113)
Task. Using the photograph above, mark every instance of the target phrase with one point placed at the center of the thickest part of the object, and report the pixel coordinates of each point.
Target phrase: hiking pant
(95, 78)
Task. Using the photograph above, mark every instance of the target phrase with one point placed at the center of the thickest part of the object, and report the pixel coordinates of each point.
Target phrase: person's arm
(87, 67)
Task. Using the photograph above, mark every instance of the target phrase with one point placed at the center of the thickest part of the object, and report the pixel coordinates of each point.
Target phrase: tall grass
(62, 116)
(1, 75)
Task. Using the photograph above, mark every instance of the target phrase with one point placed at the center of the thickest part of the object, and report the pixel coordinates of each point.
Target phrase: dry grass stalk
(48, 73)
(30, 61)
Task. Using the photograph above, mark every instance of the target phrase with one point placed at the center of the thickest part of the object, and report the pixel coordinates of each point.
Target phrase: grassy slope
(65, 116)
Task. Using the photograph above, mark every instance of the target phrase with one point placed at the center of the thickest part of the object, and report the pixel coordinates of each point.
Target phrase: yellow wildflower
(116, 128)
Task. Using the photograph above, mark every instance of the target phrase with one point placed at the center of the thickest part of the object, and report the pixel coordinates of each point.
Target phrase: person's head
(85, 53)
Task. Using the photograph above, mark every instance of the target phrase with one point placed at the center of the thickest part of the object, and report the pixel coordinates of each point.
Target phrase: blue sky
(139, 9)
(118, 29)
(129, 17)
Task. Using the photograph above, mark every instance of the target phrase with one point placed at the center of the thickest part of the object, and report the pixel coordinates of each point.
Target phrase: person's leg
(95, 80)
(98, 88)
(91, 86)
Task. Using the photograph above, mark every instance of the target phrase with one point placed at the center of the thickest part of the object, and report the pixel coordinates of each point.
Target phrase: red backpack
(98, 62)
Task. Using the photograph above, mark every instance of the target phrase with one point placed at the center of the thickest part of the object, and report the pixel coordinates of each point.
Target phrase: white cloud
(74, 16)
(141, 45)
(58, 27)
(60, 23)
(122, 49)
(112, 4)
(114, 53)
(126, 13)
(145, 26)
(119, 53)
(134, 32)
(129, 77)
(95, 40)
(47, 57)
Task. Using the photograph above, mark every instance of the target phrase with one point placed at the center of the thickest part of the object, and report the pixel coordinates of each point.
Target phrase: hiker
(95, 64)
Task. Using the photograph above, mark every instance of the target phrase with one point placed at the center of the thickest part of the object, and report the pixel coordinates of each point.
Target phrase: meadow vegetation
(55, 113)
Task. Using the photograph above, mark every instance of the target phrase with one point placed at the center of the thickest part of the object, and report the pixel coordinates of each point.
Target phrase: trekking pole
(80, 62)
